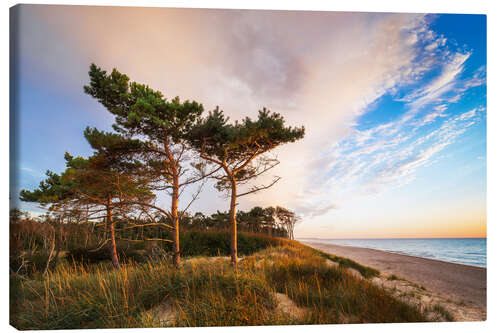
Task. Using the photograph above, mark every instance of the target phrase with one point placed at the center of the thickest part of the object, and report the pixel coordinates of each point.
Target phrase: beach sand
(462, 285)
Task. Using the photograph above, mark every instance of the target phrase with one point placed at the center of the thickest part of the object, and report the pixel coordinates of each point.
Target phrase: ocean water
(466, 251)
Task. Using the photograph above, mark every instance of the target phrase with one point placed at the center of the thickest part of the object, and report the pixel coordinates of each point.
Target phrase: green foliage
(138, 109)
(215, 137)
(258, 220)
(215, 243)
(200, 235)
(110, 171)
(30, 264)
(92, 256)
(51, 190)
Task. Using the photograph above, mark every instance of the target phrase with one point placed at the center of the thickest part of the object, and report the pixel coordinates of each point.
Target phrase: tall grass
(334, 295)
(367, 272)
(203, 292)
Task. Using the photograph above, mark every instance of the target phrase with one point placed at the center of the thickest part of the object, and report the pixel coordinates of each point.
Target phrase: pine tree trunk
(112, 243)
(233, 226)
(173, 166)
(175, 221)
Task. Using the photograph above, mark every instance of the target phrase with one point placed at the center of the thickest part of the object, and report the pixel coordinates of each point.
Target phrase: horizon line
(346, 238)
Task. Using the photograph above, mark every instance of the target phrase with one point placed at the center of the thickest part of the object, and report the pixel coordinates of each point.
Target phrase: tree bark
(233, 225)
(174, 169)
(175, 220)
(112, 243)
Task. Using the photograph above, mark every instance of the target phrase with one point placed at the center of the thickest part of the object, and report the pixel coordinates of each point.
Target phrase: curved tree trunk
(233, 225)
(112, 243)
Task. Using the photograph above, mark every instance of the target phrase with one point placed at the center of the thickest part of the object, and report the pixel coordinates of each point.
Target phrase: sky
(394, 105)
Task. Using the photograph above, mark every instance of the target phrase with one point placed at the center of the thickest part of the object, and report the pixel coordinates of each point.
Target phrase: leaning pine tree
(105, 182)
(145, 114)
(240, 149)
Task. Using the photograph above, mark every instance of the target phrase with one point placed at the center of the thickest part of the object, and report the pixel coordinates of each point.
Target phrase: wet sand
(460, 283)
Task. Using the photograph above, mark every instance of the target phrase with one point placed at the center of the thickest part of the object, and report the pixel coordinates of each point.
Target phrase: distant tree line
(160, 145)
(271, 221)
(45, 237)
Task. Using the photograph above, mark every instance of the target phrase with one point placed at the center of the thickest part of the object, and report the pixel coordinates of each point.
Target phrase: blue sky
(394, 105)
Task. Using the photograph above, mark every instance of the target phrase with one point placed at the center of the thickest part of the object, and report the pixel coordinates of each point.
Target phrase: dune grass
(206, 292)
(367, 272)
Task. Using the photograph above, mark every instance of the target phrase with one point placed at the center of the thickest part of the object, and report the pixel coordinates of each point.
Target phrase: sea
(466, 251)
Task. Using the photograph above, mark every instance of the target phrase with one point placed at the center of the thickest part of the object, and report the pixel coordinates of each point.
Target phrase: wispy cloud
(355, 162)
(32, 172)
(321, 69)
(388, 155)
(384, 161)
(442, 84)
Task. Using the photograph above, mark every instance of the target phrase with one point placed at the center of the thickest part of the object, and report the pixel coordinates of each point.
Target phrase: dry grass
(209, 292)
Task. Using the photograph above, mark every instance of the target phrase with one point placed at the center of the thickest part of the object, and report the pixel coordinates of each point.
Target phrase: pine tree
(105, 182)
(240, 149)
(287, 219)
(144, 113)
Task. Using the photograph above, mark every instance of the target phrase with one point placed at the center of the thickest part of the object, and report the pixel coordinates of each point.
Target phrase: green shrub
(192, 243)
(29, 264)
(92, 256)
(214, 243)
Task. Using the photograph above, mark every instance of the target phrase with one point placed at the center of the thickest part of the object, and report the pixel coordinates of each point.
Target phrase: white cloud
(320, 69)
(431, 46)
(388, 161)
(438, 87)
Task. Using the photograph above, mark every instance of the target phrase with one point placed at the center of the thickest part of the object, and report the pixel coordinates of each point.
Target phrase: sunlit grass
(205, 292)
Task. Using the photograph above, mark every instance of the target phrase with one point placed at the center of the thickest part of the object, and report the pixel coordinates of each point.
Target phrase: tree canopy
(240, 149)
(162, 126)
(104, 181)
(234, 144)
(139, 109)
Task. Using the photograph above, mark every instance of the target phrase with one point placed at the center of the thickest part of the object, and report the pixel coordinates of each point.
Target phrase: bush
(92, 256)
(214, 243)
(29, 264)
(192, 243)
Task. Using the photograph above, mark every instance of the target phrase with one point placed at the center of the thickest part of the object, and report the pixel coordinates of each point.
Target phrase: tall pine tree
(239, 149)
(141, 112)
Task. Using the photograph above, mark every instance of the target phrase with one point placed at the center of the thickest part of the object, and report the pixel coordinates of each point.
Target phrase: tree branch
(258, 188)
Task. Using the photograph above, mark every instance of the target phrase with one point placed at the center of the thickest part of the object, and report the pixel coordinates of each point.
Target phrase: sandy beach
(464, 285)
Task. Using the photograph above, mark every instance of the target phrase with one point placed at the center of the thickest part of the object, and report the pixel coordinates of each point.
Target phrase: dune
(460, 288)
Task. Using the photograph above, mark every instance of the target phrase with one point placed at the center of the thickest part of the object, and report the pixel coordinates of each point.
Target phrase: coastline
(325, 242)
(463, 285)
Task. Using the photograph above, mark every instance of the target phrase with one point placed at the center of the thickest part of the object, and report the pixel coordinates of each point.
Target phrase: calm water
(467, 251)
